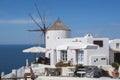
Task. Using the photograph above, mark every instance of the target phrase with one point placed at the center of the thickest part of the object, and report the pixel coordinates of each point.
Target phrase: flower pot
(115, 74)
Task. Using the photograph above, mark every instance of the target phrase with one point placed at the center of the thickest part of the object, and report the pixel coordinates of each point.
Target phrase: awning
(76, 45)
(36, 49)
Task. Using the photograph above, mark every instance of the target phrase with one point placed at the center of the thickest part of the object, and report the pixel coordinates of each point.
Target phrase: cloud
(18, 21)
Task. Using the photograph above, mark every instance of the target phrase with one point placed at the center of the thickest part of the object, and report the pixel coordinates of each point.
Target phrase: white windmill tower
(56, 31)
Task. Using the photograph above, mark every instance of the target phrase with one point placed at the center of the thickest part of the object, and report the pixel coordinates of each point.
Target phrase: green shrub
(78, 65)
(115, 65)
(62, 64)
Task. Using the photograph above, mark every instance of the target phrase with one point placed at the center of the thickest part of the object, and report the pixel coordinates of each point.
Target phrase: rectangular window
(117, 45)
(98, 42)
(103, 58)
(80, 56)
(64, 55)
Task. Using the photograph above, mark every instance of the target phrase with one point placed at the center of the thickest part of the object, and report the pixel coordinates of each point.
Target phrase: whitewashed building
(87, 50)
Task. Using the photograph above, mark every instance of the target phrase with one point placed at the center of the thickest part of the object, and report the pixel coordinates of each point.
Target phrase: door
(117, 57)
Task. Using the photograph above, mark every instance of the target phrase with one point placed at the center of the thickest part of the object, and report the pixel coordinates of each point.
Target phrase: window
(64, 55)
(98, 42)
(49, 55)
(47, 37)
(117, 45)
(96, 60)
(80, 56)
(103, 58)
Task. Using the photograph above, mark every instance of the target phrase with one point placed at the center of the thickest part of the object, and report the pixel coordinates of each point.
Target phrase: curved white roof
(114, 46)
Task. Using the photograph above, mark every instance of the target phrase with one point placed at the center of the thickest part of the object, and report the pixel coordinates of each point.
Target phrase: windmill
(43, 28)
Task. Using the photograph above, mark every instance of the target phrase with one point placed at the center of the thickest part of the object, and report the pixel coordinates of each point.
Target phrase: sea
(12, 57)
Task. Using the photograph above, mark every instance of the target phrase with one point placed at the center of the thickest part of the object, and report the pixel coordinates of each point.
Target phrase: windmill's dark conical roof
(58, 25)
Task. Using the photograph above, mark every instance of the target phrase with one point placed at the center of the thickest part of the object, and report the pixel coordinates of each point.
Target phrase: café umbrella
(36, 49)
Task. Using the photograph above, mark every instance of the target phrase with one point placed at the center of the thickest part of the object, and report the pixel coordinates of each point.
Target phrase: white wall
(72, 55)
(55, 38)
(101, 51)
(52, 54)
(114, 48)
(53, 35)
(98, 60)
(58, 56)
(53, 58)
(113, 45)
(111, 53)
(88, 54)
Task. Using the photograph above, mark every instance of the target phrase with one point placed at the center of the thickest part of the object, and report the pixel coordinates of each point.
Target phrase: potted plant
(115, 72)
(62, 64)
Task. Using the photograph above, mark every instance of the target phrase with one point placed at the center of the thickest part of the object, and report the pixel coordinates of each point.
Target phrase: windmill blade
(34, 30)
(41, 35)
(48, 27)
(35, 21)
(46, 19)
(38, 11)
(40, 15)
(38, 40)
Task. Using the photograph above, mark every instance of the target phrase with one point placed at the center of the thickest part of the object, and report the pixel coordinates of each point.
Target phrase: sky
(96, 17)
